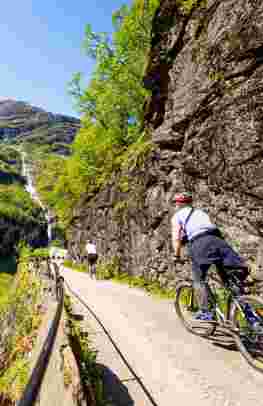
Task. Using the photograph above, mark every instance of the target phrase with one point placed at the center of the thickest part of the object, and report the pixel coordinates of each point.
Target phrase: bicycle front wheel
(249, 338)
(186, 307)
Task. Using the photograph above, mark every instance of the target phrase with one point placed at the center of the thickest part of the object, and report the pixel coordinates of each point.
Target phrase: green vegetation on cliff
(10, 165)
(20, 218)
(112, 108)
(188, 5)
(16, 203)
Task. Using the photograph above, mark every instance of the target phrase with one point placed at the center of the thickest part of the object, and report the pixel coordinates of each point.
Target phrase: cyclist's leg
(222, 272)
(88, 268)
(231, 259)
(94, 270)
(201, 262)
(232, 262)
(91, 269)
(200, 285)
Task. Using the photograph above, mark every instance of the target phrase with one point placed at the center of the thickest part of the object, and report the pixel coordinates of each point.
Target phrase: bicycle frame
(231, 314)
(212, 299)
(223, 319)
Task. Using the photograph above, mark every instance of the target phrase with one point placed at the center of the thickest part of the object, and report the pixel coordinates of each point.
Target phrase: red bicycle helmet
(183, 197)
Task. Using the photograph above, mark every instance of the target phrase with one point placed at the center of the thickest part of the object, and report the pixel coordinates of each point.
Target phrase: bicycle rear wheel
(249, 340)
(186, 306)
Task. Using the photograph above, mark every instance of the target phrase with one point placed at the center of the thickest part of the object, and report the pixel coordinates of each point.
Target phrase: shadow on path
(114, 390)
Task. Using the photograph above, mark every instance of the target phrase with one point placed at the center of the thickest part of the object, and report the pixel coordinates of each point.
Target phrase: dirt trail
(174, 365)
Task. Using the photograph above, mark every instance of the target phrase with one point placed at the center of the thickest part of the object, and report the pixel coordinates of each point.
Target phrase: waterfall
(30, 188)
(49, 226)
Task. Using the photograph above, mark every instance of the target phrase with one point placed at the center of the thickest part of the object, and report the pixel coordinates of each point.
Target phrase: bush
(108, 268)
(76, 267)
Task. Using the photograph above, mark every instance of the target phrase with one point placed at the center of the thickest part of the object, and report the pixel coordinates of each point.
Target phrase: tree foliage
(111, 104)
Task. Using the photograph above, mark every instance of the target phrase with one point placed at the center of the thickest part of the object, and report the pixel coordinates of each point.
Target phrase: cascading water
(26, 172)
(49, 226)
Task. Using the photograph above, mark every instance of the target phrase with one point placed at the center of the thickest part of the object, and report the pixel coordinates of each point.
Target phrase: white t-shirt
(91, 248)
(198, 223)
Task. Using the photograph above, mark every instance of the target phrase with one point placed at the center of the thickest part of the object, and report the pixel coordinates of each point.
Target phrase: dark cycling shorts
(92, 258)
(208, 250)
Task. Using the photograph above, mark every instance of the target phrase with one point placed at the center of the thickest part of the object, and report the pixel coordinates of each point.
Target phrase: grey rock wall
(206, 119)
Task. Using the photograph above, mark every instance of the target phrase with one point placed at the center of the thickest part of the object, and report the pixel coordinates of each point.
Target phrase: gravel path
(174, 365)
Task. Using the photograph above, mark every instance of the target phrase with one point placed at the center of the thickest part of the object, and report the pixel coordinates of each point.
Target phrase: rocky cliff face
(206, 118)
(20, 121)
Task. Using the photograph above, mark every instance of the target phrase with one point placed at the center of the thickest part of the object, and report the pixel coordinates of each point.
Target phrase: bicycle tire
(203, 329)
(249, 342)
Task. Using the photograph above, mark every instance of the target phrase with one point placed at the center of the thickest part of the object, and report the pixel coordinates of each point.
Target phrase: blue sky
(41, 47)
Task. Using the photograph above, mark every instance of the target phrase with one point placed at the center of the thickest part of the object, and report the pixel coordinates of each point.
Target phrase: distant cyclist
(92, 257)
(205, 246)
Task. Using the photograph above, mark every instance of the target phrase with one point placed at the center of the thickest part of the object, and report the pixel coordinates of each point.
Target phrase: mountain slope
(39, 131)
(21, 122)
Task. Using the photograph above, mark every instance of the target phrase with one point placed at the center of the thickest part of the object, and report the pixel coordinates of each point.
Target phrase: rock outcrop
(206, 118)
(210, 121)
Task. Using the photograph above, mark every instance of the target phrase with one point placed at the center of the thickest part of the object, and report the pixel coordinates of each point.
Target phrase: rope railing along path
(33, 386)
(122, 356)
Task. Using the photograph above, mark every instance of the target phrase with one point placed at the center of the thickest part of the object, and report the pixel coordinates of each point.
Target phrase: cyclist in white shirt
(92, 257)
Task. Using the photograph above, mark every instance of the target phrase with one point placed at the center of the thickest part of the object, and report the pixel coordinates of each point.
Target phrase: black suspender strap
(187, 219)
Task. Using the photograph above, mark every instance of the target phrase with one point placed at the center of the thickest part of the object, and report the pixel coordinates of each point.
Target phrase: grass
(5, 285)
(153, 288)
(187, 299)
(7, 272)
(86, 356)
(76, 267)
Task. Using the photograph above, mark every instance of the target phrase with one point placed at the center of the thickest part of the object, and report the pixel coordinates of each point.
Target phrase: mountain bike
(231, 310)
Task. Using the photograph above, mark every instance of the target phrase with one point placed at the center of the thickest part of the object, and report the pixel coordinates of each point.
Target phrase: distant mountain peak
(20, 120)
(10, 107)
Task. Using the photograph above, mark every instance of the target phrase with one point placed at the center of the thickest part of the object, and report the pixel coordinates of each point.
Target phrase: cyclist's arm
(176, 236)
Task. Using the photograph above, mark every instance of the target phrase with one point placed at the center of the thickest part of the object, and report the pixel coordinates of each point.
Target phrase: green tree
(111, 105)
(115, 96)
